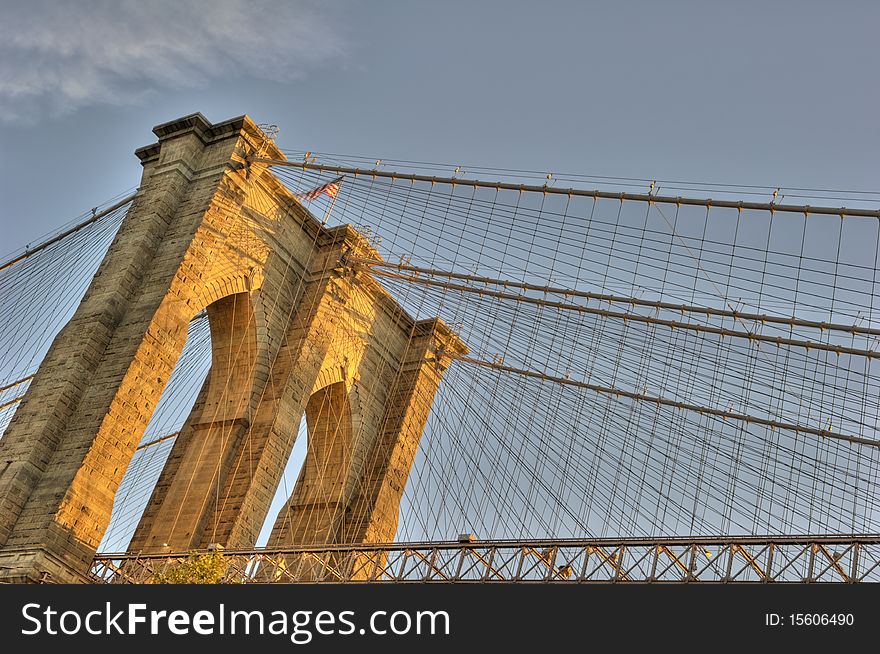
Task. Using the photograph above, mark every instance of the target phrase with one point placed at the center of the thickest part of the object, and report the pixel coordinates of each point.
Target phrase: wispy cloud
(56, 57)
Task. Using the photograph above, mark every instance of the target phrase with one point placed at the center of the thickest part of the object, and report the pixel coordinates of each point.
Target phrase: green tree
(197, 568)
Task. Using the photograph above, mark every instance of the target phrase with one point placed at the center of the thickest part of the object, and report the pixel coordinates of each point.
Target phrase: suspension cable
(619, 392)
(640, 197)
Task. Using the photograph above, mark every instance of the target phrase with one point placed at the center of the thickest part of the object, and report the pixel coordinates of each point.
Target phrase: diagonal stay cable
(619, 392)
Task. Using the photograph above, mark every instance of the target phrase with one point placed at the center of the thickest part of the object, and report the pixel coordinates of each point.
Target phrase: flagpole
(329, 209)
(315, 193)
(337, 182)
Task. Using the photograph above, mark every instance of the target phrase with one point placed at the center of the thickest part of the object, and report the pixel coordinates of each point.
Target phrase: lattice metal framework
(810, 559)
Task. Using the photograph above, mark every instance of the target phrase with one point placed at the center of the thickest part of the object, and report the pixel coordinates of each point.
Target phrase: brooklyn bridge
(328, 368)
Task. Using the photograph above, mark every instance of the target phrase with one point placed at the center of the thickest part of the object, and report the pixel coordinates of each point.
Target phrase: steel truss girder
(752, 559)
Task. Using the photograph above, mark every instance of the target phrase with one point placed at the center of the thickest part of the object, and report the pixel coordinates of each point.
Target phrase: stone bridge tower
(294, 330)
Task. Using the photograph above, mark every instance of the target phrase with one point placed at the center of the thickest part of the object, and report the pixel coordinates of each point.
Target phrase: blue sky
(780, 93)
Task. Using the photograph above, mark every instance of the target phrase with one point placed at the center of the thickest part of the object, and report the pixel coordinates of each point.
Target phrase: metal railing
(758, 559)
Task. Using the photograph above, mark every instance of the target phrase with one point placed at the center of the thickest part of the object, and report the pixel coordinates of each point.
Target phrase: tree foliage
(197, 568)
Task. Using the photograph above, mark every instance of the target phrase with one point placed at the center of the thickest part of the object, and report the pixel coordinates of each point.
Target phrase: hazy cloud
(56, 57)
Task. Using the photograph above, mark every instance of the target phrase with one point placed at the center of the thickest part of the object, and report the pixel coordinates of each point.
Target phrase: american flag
(331, 188)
